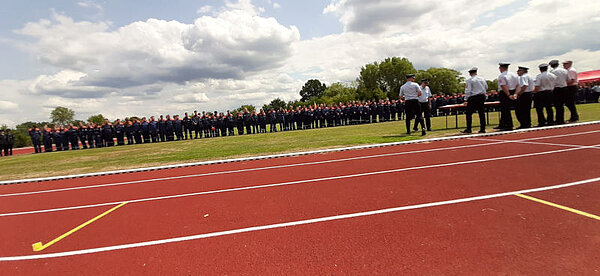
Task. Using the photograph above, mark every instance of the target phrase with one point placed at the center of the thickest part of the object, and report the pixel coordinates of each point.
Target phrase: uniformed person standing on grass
(58, 140)
(153, 126)
(411, 91)
(559, 92)
(3, 142)
(475, 90)
(508, 83)
(542, 96)
(10, 143)
(523, 98)
(119, 132)
(571, 90)
(47, 132)
(424, 101)
(36, 137)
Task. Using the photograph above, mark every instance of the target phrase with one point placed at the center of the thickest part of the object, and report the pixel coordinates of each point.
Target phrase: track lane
(504, 236)
(185, 216)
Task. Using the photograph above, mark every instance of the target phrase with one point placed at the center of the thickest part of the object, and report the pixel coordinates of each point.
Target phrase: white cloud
(8, 107)
(191, 98)
(276, 5)
(204, 9)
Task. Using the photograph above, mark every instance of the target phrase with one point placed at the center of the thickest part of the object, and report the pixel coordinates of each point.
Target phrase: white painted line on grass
(496, 142)
(292, 154)
(131, 201)
(289, 224)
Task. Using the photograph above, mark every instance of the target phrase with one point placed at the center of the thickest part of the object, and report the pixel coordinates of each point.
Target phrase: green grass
(136, 156)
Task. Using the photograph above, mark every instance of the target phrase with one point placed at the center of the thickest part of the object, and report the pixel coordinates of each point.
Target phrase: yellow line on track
(38, 246)
(559, 206)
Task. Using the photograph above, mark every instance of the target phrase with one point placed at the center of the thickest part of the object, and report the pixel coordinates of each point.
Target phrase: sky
(143, 58)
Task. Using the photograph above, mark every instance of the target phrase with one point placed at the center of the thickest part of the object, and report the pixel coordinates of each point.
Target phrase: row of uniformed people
(7, 142)
(552, 88)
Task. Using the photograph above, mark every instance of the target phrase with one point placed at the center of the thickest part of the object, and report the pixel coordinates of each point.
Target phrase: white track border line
(532, 143)
(130, 201)
(289, 224)
(497, 142)
(292, 154)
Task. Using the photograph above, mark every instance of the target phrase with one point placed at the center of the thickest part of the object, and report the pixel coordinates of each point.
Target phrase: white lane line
(290, 165)
(131, 201)
(291, 223)
(537, 143)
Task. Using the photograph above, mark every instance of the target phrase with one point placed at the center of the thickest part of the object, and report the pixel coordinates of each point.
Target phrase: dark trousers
(426, 111)
(570, 94)
(559, 102)
(523, 109)
(413, 108)
(505, 115)
(543, 100)
(476, 104)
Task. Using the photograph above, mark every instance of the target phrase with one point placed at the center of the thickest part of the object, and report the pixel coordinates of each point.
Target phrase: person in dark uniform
(57, 138)
(65, 137)
(178, 127)
(475, 90)
(196, 125)
(108, 133)
(145, 130)
(73, 137)
(411, 92)
(239, 123)
(206, 125)
(230, 122)
(153, 126)
(3, 142)
(169, 128)
(571, 90)
(47, 138)
(127, 128)
(10, 143)
(187, 126)
(90, 135)
(272, 120)
(281, 119)
(136, 130)
(162, 129)
(83, 134)
(98, 136)
(247, 123)
(119, 128)
(262, 121)
(36, 137)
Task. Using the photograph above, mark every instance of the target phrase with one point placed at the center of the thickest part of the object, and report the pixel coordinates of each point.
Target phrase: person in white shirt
(542, 95)
(559, 92)
(523, 98)
(508, 84)
(424, 102)
(475, 89)
(411, 91)
(571, 91)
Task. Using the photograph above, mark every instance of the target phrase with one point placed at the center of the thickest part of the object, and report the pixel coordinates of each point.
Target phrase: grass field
(144, 155)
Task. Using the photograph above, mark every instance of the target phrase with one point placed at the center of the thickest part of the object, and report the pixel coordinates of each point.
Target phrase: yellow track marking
(39, 247)
(559, 206)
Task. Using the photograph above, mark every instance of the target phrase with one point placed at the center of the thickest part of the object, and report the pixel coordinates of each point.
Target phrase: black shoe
(482, 131)
(423, 133)
(408, 133)
(573, 120)
(505, 129)
(429, 129)
(466, 131)
(414, 129)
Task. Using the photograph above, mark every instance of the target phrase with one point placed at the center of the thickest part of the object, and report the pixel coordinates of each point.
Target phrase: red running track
(269, 205)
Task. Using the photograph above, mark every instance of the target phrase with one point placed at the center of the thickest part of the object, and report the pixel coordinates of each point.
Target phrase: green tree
(492, 85)
(62, 115)
(96, 119)
(339, 92)
(250, 108)
(442, 80)
(312, 89)
(393, 73)
(381, 80)
(275, 104)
